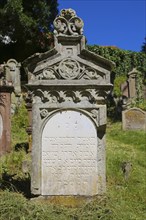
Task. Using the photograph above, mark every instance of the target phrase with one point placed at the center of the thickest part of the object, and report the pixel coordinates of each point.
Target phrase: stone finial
(68, 24)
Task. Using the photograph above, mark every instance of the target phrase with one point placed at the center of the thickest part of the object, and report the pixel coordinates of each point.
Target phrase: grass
(124, 200)
(128, 198)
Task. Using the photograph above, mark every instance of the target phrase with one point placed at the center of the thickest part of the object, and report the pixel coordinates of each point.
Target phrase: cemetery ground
(125, 198)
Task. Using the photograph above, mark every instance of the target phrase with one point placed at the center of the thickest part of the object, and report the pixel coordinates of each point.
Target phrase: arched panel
(69, 155)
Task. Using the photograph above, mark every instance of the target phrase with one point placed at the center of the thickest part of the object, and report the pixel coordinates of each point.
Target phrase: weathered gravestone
(128, 88)
(132, 88)
(134, 119)
(9, 82)
(68, 85)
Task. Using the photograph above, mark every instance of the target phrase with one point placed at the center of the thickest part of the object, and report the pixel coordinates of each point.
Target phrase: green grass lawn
(127, 198)
(124, 199)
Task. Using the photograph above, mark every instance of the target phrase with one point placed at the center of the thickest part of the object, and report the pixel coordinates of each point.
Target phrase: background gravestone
(9, 82)
(68, 87)
(134, 119)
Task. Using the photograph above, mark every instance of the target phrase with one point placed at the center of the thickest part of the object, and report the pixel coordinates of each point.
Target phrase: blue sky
(120, 23)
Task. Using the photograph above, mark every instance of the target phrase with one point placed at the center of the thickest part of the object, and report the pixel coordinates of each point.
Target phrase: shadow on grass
(22, 146)
(12, 182)
(16, 185)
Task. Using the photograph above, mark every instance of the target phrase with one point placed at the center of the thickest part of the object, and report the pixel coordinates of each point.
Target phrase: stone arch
(69, 154)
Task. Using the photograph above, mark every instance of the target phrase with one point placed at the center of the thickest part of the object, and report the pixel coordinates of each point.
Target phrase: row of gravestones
(66, 94)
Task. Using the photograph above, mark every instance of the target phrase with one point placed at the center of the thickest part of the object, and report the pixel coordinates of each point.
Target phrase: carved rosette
(69, 68)
(44, 113)
(67, 23)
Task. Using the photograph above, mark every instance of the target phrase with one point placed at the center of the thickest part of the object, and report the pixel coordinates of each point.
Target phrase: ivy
(125, 60)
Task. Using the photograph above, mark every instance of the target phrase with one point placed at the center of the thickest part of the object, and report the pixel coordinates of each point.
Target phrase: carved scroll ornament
(67, 23)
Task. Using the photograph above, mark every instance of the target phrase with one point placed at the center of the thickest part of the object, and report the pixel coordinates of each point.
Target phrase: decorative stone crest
(67, 23)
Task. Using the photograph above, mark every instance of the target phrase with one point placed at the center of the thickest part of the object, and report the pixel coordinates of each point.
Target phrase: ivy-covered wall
(125, 60)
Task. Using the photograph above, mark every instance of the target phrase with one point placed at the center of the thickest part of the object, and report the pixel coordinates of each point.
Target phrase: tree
(143, 48)
(25, 27)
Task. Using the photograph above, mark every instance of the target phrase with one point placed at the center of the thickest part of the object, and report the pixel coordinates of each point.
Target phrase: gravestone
(68, 86)
(134, 119)
(128, 88)
(9, 82)
(132, 88)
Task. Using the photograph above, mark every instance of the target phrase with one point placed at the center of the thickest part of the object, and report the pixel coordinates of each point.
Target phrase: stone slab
(134, 119)
(69, 155)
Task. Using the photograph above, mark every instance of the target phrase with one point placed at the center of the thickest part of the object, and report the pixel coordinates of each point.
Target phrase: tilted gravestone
(68, 85)
(9, 82)
(134, 119)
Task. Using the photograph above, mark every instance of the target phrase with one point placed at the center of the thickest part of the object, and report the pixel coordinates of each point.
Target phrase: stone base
(67, 201)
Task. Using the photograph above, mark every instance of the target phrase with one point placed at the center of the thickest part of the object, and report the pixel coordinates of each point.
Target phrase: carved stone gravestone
(9, 82)
(68, 85)
(134, 119)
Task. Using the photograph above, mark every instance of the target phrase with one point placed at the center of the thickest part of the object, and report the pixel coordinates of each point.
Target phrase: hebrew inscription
(69, 155)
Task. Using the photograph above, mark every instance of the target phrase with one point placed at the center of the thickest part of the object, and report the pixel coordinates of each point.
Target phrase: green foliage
(125, 60)
(27, 26)
(11, 164)
(15, 206)
(126, 195)
(117, 82)
(139, 103)
(19, 125)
